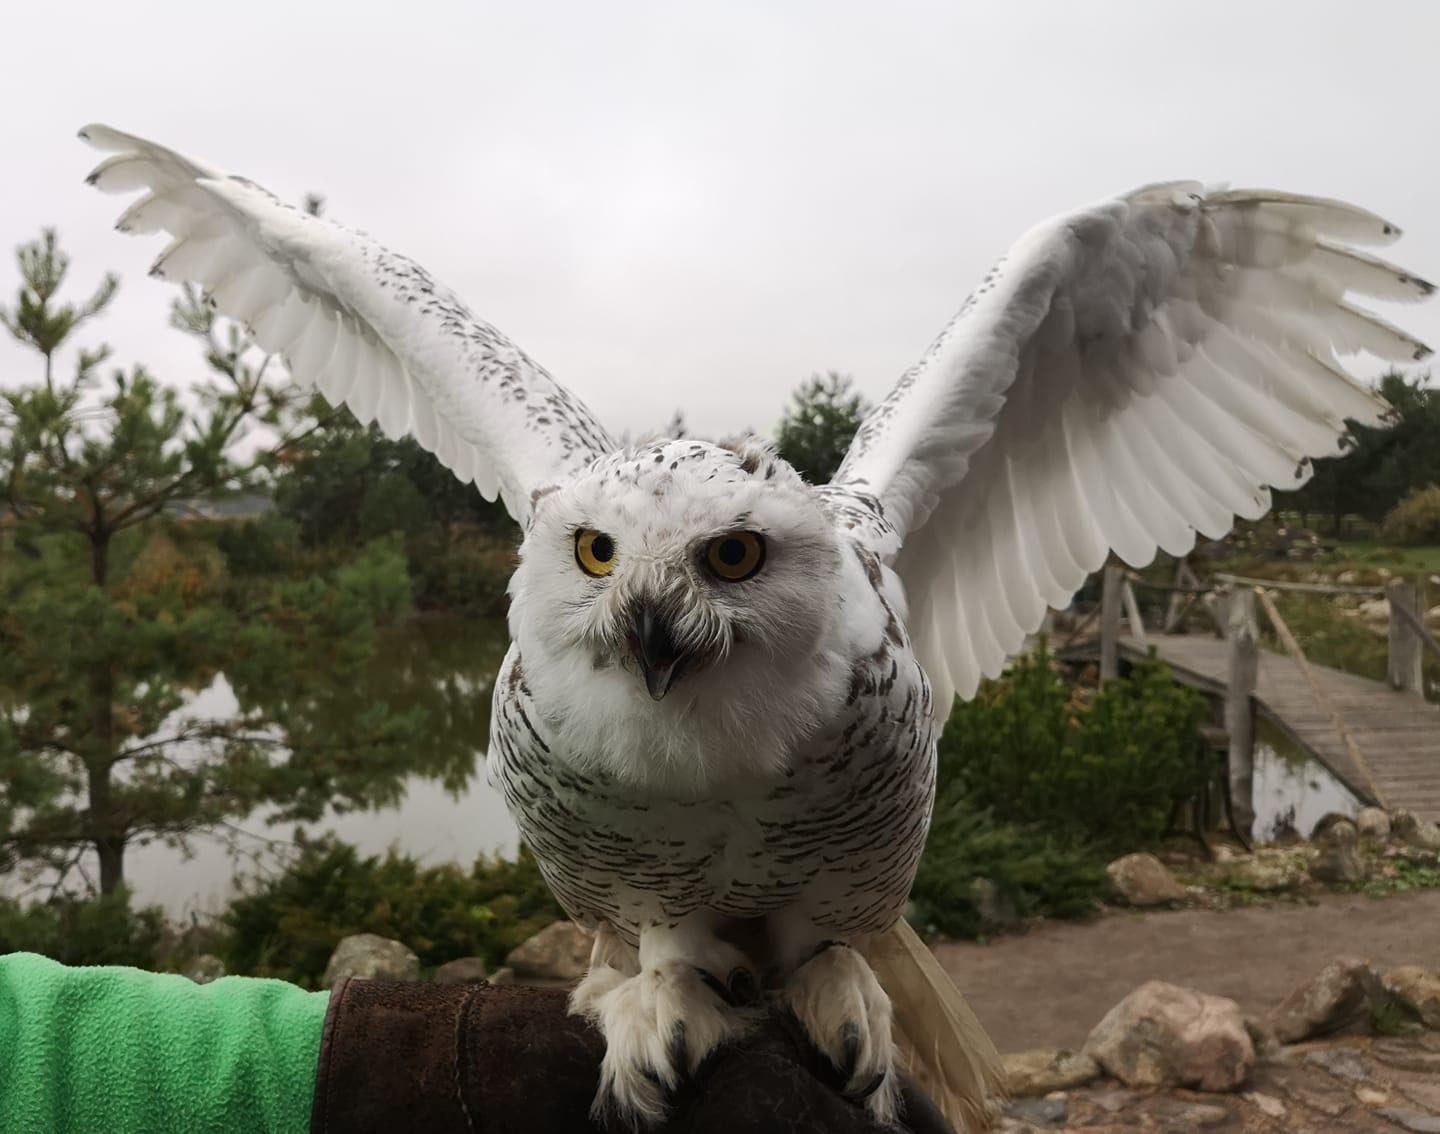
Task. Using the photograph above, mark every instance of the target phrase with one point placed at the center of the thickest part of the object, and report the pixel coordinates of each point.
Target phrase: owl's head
(675, 610)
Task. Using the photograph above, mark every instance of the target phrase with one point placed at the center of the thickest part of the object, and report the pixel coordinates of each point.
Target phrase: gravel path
(1049, 987)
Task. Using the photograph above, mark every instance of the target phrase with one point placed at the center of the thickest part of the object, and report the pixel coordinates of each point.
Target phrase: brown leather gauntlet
(488, 1059)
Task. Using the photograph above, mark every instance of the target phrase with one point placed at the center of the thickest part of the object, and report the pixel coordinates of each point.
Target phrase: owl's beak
(661, 659)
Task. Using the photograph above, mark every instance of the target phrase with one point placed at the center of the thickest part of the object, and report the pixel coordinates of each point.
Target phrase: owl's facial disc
(653, 645)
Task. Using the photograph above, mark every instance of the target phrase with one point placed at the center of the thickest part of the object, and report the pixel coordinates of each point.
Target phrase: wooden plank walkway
(1398, 733)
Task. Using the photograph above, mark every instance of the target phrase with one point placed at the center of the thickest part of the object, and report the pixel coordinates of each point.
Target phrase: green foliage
(1389, 1016)
(352, 484)
(112, 613)
(84, 931)
(1107, 773)
(818, 425)
(1384, 465)
(1415, 520)
(1328, 635)
(1401, 875)
(1037, 789)
(259, 548)
(38, 321)
(1037, 872)
(465, 572)
(288, 926)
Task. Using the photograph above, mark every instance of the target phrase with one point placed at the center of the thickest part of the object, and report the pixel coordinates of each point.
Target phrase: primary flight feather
(716, 723)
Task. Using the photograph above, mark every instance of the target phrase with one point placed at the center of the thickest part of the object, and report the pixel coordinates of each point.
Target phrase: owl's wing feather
(371, 329)
(1130, 374)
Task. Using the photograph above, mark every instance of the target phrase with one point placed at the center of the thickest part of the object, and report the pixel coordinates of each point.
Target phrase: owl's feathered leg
(838, 1001)
(613, 961)
(661, 1022)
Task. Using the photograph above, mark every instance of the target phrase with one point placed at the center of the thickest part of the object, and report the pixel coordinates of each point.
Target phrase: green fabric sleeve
(118, 1050)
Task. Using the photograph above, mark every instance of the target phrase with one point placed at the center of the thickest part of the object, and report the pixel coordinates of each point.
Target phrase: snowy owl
(716, 722)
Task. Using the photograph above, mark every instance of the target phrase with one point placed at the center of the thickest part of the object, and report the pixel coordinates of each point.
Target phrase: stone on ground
(996, 910)
(1418, 989)
(1373, 823)
(1339, 859)
(1269, 871)
(1033, 1114)
(205, 968)
(370, 957)
(1142, 880)
(560, 952)
(1338, 863)
(1375, 610)
(463, 970)
(1339, 996)
(1044, 1069)
(1164, 1034)
(1414, 831)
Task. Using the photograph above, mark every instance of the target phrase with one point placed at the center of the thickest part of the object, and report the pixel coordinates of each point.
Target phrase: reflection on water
(446, 811)
(1292, 791)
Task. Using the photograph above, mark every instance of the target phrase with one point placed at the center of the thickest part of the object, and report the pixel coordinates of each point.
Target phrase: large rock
(1333, 827)
(370, 957)
(1418, 989)
(464, 970)
(1373, 823)
(1044, 1069)
(1339, 859)
(560, 952)
(1414, 831)
(1339, 996)
(1142, 880)
(1164, 1034)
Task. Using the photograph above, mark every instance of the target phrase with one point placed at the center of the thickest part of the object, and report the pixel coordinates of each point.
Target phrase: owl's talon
(849, 1050)
(744, 989)
(658, 1027)
(847, 1016)
(679, 1057)
(868, 1089)
(714, 984)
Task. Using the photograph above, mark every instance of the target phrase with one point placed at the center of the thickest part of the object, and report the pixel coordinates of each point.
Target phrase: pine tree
(822, 417)
(112, 609)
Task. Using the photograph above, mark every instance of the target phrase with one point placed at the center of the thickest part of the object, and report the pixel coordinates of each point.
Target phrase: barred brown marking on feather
(842, 831)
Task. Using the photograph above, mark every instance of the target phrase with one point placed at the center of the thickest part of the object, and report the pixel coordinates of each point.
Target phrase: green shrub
(84, 931)
(269, 545)
(288, 926)
(463, 573)
(1038, 789)
(1415, 520)
(1036, 872)
(1107, 773)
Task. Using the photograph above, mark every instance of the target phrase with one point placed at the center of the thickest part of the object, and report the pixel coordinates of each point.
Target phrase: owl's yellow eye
(595, 552)
(735, 557)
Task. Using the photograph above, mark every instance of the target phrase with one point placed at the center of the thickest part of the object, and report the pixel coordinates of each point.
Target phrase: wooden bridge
(1381, 739)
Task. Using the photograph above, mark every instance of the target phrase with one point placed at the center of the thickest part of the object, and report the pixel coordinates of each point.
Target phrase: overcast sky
(698, 205)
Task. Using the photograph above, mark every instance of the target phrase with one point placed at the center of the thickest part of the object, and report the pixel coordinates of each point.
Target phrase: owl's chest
(849, 812)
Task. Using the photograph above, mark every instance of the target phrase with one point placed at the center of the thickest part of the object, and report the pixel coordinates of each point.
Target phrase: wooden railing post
(1133, 617)
(1110, 602)
(1405, 644)
(1244, 668)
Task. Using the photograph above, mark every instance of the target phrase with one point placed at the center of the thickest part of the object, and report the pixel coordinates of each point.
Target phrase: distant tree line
(1385, 465)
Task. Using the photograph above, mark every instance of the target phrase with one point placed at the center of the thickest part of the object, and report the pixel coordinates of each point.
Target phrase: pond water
(1292, 791)
(446, 813)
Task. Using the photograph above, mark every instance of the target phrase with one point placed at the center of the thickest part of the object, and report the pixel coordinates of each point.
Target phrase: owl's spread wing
(371, 329)
(1128, 375)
